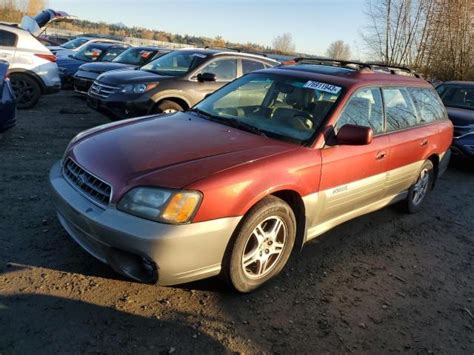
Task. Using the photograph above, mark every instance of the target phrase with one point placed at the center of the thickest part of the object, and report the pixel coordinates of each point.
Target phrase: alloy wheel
(264, 247)
(421, 187)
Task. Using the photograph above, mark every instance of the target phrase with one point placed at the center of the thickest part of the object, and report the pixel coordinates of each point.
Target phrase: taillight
(49, 57)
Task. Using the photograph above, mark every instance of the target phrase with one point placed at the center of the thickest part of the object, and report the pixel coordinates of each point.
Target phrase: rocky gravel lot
(384, 283)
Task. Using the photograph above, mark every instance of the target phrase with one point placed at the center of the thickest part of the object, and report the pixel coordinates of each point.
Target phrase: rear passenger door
(409, 139)
(353, 177)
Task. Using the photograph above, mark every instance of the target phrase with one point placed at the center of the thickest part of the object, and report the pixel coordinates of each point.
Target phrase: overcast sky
(314, 24)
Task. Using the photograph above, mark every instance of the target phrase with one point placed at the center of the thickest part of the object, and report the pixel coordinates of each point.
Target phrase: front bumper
(121, 109)
(178, 253)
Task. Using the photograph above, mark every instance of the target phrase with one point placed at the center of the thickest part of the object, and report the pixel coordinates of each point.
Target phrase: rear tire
(168, 106)
(27, 90)
(261, 245)
(419, 191)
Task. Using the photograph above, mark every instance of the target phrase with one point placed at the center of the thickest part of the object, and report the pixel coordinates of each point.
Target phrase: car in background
(254, 171)
(458, 97)
(7, 99)
(94, 52)
(78, 43)
(130, 59)
(173, 82)
(33, 69)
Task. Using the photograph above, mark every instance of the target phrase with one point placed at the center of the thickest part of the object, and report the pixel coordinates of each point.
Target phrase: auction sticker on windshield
(316, 85)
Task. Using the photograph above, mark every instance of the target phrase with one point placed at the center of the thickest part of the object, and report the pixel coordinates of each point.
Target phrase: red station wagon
(254, 171)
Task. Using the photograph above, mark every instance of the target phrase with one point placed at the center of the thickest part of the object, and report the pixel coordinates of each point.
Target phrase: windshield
(74, 43)
(135, 56)
(286, 108)
(89, 54)
(457, 96)
(175, 63)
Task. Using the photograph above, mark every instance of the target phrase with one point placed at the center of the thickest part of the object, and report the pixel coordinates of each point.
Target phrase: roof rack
(351, 64)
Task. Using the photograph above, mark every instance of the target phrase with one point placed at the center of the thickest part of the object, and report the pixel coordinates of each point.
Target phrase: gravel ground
(386, 282)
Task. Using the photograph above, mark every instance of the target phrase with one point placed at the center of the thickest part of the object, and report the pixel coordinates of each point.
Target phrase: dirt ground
(384, 283)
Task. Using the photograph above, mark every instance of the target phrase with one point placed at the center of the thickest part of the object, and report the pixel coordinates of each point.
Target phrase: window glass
(75, 43)
(7, 39)
(175, 63)
(281, 107)
(224, 69)
(89, 54)
(249, 66)
(135, 56)
(112, 53)
(364, 109)
(428, 105)
(399, 109)
(460, 96)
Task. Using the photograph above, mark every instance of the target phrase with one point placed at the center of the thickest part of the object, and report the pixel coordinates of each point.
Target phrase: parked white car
(76, 44)
(33, 70)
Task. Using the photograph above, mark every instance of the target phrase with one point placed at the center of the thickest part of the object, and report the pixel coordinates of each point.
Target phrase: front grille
(102, 90)
(91, 186)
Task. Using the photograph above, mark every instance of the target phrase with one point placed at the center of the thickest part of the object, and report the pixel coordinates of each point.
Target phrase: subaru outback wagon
(251, 173)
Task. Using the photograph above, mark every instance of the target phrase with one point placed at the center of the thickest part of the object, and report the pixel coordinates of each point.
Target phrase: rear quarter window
(7, 39)
(428, 105)
(399, 109)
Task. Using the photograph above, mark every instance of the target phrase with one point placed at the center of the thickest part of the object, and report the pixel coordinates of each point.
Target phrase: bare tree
(339, 50)
(284, 43)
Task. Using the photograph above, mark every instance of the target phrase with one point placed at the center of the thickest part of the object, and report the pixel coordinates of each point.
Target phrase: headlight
(138, 88)
(161, 205)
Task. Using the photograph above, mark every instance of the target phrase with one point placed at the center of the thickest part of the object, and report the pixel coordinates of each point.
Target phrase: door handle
(381, 155)
(424, 143)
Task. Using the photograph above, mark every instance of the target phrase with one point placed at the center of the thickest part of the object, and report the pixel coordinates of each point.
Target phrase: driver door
(353, 177)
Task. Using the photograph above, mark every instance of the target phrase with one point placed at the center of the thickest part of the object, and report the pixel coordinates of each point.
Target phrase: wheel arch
(175, 98)
(434, 158)
(31, 74)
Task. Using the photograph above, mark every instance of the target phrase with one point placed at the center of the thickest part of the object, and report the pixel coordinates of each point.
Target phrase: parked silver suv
(33, 70)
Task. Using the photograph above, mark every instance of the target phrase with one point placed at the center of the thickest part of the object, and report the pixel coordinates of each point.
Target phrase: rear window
(249, 66)
(7, 39)
(399, 109)
(429, 106)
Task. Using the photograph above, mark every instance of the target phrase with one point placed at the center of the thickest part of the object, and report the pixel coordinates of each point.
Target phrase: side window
(399, 109)
(112, 53)
(7, 39)
(428, 105)
(225, 69)
(249, 66)
(364, 109)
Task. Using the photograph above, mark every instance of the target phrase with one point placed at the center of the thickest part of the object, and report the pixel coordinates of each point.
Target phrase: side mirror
(203, 77)
(354, 135)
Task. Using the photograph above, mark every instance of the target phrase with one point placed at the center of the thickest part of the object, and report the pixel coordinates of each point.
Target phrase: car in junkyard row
(173, 82)
(132, 58)
(458, 97)
(251, 173)
(95, 52)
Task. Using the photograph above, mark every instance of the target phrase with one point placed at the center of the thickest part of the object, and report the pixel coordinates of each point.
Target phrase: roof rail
(391, 69)
(236, 49)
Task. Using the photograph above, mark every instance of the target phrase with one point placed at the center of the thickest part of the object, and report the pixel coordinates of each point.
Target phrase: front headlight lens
(138, 88)
(161, 205)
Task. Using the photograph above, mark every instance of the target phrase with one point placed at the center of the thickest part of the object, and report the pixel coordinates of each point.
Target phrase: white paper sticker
(316, 85)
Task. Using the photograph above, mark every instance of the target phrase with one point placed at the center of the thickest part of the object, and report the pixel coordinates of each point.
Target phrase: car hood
(461, 117)
(168, 151)
(131, 77)
(103, 67)
(68, 63)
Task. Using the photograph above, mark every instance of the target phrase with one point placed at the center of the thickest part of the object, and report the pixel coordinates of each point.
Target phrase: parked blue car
(94, 52)
(7, 99)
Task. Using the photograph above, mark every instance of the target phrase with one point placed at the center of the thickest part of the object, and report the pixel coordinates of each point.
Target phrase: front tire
(27, 90)
(262, 245)
(168, 106)
(419, 191)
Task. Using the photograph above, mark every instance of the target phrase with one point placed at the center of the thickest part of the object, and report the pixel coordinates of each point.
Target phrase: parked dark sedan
(7, 99)
(458, 97)
(95, 52)
(132, 58)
